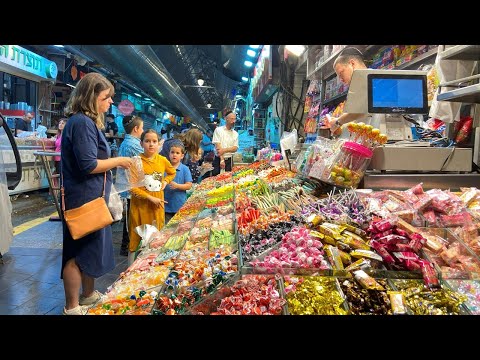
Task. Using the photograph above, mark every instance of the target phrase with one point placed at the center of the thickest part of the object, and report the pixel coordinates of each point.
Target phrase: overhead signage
(18, 58)
(126, 107)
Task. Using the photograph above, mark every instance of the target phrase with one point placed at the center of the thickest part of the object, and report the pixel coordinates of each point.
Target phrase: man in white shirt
(225, 139)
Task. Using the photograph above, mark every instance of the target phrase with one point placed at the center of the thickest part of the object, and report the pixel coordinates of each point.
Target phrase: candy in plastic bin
(359, 264)
(366, 254)
(334, 257)
(397, 300)
(383, 252)
(429, 274)
(384, 225)
(367, 281)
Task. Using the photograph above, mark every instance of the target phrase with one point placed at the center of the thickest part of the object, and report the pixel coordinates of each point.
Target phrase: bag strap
(62, 190)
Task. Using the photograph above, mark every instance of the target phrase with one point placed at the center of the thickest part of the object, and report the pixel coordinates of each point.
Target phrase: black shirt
(21, 124)
(111, 126)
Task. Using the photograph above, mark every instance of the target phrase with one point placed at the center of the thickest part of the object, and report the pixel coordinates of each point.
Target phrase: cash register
(388, 96)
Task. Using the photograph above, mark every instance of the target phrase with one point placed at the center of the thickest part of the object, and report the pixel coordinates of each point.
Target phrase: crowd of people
(152, 192)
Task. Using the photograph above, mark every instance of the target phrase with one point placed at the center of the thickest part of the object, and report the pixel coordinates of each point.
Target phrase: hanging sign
(19, 59)
(126, 107)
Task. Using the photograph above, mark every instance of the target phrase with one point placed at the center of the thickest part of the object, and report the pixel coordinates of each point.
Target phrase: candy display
(258, 241)
(362, 301)
(471, 289)
(422, 301)
(249, 295)
(314, 296)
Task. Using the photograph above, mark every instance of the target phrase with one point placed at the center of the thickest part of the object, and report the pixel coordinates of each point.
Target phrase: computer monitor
(397, 94)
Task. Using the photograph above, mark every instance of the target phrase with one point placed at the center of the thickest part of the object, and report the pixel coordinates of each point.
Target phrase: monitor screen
(402, 94)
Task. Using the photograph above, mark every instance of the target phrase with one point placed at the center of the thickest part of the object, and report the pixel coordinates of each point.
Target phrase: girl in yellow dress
(147, 203)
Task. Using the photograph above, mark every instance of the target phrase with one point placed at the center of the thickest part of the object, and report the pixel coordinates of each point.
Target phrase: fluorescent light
(248, 63)
(136, 94)
(71, 86)
(254, 46)
(296, 50)
(61, 46)
(146, 99)
(251, 53)
(244, 78)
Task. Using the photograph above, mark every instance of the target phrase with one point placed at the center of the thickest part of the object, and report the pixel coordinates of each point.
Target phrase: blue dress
(82, 144)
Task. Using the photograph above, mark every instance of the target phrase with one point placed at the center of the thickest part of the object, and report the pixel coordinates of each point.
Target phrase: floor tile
(39, 305)
(6, 309)
(9, 279)
(24, 291)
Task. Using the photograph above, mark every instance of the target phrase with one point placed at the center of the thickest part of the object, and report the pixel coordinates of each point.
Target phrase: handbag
(88, 218)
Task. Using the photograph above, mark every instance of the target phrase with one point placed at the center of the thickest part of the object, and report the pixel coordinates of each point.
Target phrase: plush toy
(153, 182)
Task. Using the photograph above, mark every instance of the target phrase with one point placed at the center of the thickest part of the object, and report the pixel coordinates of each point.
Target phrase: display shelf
(462, 52)
(417, 59)
(468, 94)
(336, 97)
(325, 65)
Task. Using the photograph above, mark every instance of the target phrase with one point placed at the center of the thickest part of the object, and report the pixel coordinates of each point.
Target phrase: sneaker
(79, 310)
(92, 299)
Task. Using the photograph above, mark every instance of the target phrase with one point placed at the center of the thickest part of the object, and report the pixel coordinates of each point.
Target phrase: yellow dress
(143, 211)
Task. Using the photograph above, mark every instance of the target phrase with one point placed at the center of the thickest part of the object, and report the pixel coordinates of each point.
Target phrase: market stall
(258, 241)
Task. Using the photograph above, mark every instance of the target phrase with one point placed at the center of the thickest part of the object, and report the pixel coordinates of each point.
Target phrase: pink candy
(297, 249)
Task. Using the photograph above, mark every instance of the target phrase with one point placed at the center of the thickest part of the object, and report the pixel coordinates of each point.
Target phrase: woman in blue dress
(85, 159)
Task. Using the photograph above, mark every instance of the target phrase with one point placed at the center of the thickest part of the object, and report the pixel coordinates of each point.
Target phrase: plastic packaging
(350, 165)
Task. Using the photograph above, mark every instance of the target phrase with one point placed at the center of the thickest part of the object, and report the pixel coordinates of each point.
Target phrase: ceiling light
(254, 46)
(209, 105)
(251, 53)
(60, 46)
(72, 86)
(146, 99)
(200, 81)
(137, 94)
(244, 78)
(296, 50)
(248, 63)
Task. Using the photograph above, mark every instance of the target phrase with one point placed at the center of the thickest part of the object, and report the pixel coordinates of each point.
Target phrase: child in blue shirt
(176, 191)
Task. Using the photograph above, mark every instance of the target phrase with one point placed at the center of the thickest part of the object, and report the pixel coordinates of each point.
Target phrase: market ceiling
(169, 73)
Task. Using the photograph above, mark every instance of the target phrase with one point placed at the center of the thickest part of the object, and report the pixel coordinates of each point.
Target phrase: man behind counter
(23, 124)
(346, 63)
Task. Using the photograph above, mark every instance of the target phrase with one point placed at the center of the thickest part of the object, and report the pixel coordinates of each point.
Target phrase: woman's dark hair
(130, 121)
(227, 113)
(147, 132)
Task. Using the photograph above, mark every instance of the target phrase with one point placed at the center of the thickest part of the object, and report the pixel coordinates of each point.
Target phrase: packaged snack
(367, 281)
(397, 300)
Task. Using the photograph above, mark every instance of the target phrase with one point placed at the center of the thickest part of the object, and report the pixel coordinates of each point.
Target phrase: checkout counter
(387, 96)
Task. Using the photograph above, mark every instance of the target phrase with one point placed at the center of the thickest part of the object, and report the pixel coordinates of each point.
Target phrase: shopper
(23, 124)
(58, 144)
(176, 191)
(349, 60)
(225, 139)
(147, 202)
(84, 162)
(111, 129)
(130, 147)
(207, 145)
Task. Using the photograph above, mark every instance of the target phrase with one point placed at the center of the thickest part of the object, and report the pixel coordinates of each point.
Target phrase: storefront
(26, 78)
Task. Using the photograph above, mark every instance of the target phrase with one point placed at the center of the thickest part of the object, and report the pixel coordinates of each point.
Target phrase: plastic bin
(350, 165)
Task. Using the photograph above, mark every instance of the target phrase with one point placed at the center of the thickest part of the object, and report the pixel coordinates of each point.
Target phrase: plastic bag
(288, 141)
(115, 205)
(127, 179)
(41, 132)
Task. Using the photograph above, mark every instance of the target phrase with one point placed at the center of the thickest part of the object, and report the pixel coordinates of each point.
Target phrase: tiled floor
(30, 281)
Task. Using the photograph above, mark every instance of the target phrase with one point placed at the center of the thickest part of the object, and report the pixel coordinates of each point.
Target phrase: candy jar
(350, 164)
